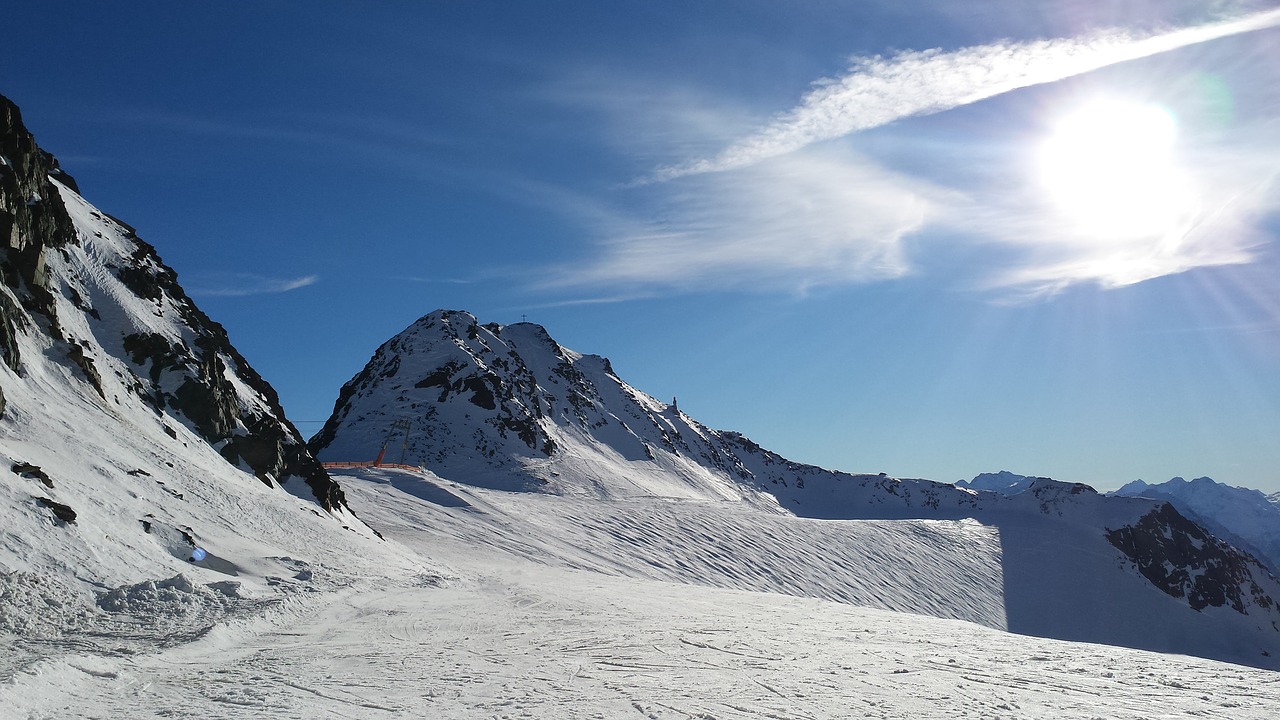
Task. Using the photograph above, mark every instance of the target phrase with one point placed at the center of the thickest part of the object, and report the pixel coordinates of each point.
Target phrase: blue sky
(837, 227)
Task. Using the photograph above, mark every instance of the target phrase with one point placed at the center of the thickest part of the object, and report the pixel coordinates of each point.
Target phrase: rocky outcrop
(33, 219)
(483, 371)
(264, 441)
(184, 365)
(1184, 561)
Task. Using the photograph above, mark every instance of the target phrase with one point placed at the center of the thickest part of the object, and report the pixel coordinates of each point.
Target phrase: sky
(919, 237)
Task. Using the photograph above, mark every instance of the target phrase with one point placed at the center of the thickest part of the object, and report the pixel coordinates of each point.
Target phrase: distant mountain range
(1246, 518)
(1003, 482)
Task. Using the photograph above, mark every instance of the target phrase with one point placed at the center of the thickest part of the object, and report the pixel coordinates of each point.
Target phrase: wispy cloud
(425, 280)
(244, 284)
(804, 220)
(879, 90)
(774, 211)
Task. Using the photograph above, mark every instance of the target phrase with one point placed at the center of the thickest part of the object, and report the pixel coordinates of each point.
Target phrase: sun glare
(1111, 168)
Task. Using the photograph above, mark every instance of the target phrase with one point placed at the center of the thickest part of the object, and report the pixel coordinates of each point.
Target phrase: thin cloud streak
(878, 90)
(432, 280)
(246, 284)
(793, 223)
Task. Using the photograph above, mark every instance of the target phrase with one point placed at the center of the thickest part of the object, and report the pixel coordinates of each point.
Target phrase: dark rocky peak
(1183, 560)
(1242, 516)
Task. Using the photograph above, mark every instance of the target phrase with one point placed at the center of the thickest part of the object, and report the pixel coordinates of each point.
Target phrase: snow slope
(546, 619)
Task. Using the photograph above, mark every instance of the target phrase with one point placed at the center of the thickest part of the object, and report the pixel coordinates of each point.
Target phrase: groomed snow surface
(484, 604)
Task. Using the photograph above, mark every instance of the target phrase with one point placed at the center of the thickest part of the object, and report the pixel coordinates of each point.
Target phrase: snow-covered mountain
(131, 431)
(1245, 517)
(508, 408)
(1003, 482)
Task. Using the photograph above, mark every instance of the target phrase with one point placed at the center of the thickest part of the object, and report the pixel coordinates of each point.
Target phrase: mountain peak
(116, 390)
(1003, 482)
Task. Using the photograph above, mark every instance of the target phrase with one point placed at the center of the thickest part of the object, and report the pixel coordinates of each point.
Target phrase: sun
(1111, 168)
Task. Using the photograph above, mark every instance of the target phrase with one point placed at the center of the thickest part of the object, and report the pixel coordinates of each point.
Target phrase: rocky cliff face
(101, 300)
(32, 221)
(1184, 561)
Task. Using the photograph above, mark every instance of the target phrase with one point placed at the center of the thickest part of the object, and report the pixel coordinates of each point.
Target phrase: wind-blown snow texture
(506, 407)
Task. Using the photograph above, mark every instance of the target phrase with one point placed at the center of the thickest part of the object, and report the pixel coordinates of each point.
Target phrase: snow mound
(32, 606)
(174, 597)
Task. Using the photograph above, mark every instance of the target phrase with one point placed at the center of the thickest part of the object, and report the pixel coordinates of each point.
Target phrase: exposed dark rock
(56, 171)
(33, 472)
(1184, 561)
(32, 216)
(85, 363)
(10, 321)
(270, 447)
(62, 512)
(483, 396)
(208, 400)
(261, 449)
(440, 377)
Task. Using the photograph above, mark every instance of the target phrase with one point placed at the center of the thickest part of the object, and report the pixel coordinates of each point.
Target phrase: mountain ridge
(507, 408)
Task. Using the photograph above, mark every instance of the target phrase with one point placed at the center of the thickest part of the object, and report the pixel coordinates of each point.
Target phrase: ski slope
(552, 607)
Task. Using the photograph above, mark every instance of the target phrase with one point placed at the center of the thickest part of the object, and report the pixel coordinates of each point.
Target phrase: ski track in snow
(517, 641)
(561, 610)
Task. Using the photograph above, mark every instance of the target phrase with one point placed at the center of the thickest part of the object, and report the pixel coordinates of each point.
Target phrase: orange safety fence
(369, 463)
